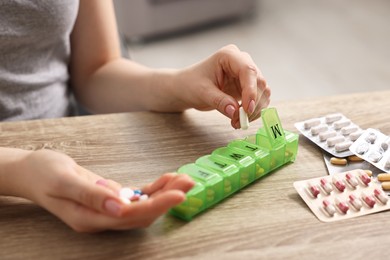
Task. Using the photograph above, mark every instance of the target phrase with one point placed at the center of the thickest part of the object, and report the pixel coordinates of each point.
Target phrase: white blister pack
(343, 195)
(334, 133)
(373, 147)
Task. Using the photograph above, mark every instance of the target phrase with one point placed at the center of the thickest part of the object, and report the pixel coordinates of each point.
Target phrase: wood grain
(265, 220)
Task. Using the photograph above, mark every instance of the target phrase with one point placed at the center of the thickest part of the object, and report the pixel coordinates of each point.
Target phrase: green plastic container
(228, 169)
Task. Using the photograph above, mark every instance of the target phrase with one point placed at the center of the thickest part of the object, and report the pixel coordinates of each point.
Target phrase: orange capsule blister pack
(343, 195)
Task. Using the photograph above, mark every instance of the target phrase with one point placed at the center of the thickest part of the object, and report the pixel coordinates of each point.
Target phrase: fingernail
(102, 182)
(229, 110)
(113, 207)
(251, 107)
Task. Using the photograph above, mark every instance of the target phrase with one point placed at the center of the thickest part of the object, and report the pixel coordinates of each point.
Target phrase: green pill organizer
(228, 169)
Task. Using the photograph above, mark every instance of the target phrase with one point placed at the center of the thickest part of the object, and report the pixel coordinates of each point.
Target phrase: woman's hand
(221, 81)
(87, 202)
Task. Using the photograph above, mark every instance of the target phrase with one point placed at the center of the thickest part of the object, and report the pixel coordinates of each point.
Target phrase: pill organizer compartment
(229, 169)
(229, 172)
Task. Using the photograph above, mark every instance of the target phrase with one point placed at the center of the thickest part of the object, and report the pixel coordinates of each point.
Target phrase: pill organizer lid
(273, 126)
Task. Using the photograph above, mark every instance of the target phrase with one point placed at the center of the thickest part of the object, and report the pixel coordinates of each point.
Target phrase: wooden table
(265, 220)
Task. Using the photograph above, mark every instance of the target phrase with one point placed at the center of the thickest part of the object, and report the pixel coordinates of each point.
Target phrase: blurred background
(304, 48)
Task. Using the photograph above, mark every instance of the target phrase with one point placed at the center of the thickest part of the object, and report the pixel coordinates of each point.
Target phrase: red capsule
(368, 199)
(339, 184)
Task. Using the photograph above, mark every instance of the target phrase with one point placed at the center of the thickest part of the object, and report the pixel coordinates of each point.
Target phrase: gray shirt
(34, 58)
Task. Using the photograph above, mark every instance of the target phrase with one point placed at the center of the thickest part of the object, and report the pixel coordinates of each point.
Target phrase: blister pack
(373, 147)
(343, 195)
(334, 133)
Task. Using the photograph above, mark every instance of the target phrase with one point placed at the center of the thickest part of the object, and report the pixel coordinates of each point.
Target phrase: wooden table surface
(265, 220)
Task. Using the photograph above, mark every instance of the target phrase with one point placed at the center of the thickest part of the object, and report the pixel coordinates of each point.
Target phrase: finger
(158, 184)
(155, 206)
(224, 103)
(89, 194)
(240, 65)
(110, 184)
(181, 182)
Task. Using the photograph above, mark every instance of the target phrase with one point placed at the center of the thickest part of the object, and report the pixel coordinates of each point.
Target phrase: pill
(338, 161)
(318, 129)
(311, 122)
(126, 193)
(369, 173)
(385, 144)
(325, 135)
(351, 179)
(348, 129)
(387, 164)
(341, 123)
(138, 192)
(354, 158)
(383, 177)
(314, 190)
(355, 135)
(362, 148)
(332, 118)
(381, 196)
(341, 147)
(365, 178)
(338, 184)
(368, 199)
(326, 186)
(355, 202)
(371, 138)
(334, 140)
(386, 185)
(375, 157)
(329, 207)
(343, 207)
(244, 121)
(143, 197)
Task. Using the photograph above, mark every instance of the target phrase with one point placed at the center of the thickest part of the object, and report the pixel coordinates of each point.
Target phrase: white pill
(334, 140)
(325, 135)
(143, 197)
(371, 138)
(355, 135)
(362, 149)
(311, 122)
(341, 123)
(375, 157)
(332, 118)
(387, 164)
(244, 121)
(126, 193)
(349, 129)
(318, 129)
(341, 147)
